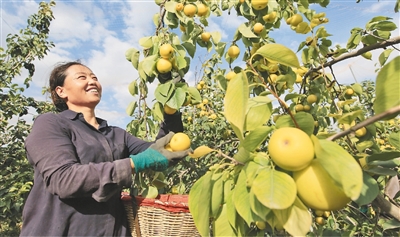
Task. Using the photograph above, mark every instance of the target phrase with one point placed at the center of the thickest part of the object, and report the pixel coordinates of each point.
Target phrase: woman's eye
(82, 78)
(95, 78)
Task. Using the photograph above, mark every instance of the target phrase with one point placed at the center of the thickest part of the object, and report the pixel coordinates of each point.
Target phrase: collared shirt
(79, 172)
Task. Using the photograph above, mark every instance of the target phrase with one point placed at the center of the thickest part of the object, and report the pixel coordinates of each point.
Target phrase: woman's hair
(57, 78)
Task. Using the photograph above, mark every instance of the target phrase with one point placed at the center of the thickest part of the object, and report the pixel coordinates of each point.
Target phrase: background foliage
(16, 174)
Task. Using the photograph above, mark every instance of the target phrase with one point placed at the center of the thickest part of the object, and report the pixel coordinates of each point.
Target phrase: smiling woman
(81, 164)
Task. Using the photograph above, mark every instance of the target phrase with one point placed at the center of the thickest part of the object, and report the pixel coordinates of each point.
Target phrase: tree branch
(383, 44)
(387, 207)
(389, 112)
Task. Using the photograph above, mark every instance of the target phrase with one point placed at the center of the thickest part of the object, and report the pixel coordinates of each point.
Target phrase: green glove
(156, 157)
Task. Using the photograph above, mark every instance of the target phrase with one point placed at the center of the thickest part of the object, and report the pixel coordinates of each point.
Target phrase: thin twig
(383, 44)
(393, 111)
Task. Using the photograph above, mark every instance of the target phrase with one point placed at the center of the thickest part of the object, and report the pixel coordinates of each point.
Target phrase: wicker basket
(166, 215)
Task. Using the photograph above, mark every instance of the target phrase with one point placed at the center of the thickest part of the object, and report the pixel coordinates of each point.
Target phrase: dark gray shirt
(79, 172)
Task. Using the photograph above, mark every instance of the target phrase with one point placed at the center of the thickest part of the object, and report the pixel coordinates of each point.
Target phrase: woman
(81, 164)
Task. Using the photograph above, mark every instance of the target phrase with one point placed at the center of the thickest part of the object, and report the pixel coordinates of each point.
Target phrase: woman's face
(81, 88)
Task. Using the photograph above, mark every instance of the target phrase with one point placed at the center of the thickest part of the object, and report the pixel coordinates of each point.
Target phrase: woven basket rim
(168, 202)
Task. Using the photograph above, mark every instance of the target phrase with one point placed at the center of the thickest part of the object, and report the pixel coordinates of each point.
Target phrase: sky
(99, 32)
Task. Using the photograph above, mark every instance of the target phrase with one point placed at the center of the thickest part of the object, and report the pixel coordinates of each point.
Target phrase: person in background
(81, 164)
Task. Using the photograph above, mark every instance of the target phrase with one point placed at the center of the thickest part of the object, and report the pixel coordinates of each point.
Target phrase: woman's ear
(60, 92)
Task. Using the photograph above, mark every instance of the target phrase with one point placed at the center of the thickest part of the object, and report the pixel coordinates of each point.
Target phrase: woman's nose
(91, 81)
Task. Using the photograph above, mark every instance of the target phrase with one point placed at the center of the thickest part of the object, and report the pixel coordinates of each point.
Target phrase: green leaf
(322, 33)
(347, 118)
(171, 20)
(235, 103)
(240, 193)
(258, 113)
(199, 203)
(340, 165)
(156, 19)
(177, 98)
(292, 96)
(242, 156)
(181, 62)
(149, 64)
(385, 160)
(388, 87)
(220, 48)
(158, 111)
(357, 88)
(221, 226)
(150, 192)
(164, 91)
(389, 224)
(131, 108)
(170, 6)
(142, 74)
(383, 57)
(190, 48)
(146, 42)
(354, 33)
(258, 208)
(369, 191)
(201, 151)
(274, 189)
(217, 192)
(394, 140)
(280, 54)
(233, 216)
(194, 95)
(296, 219)
(303, 119)
(216, 37)
(251, 170)
(246, 31)
(133, 89)
(256, 137)
(385, 26)
(132, 55)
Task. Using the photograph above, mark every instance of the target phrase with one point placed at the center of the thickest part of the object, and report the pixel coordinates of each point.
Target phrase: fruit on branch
(205, 36)
(259, 4)
(190, 10)
(166, 51)
(169, 110)
(296, 19)
(163, 65)
(349, 91)
(258, 27)
(312, 98)
(272, 78)
(202, 10)
(180, 142)
(270, 17)
(361, 132)
(179, 7)
(291, 148)
(319, 220)
(233, 51)
(230, 75)
(317, 189)
(303, 28)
